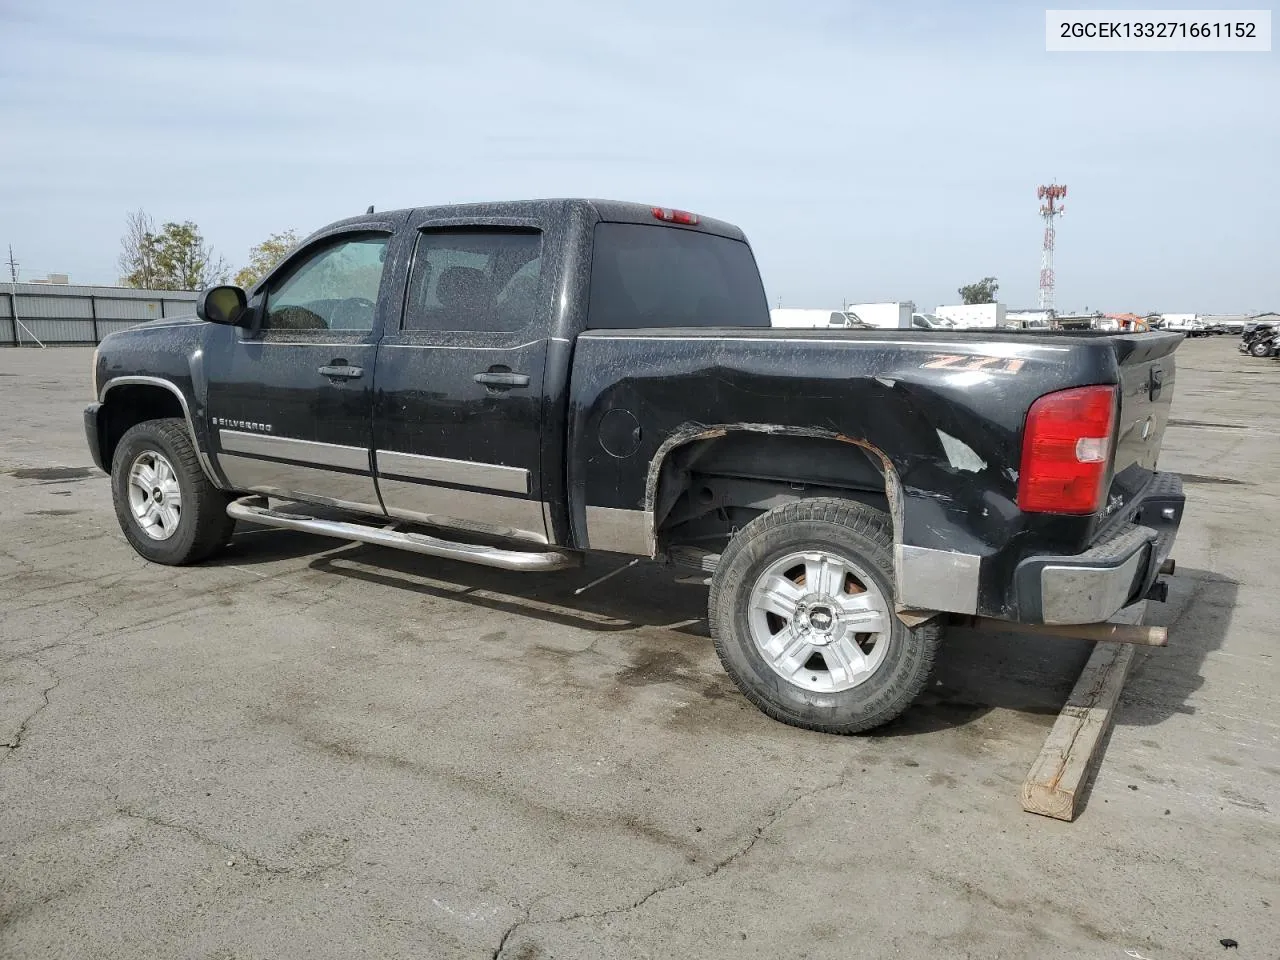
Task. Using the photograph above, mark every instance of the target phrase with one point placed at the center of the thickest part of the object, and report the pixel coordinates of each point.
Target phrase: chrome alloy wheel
(819, 621)
(154, 495)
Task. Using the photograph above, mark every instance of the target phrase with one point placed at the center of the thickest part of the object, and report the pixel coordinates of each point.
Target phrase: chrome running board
(256, 509)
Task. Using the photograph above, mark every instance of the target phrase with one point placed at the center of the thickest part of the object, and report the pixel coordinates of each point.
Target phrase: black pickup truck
(514, 384)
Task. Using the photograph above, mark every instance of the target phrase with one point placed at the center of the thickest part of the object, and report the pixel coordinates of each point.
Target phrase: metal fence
(65, 314)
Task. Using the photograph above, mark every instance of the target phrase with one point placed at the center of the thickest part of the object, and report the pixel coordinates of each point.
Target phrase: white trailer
(975, 315)
(889, 316)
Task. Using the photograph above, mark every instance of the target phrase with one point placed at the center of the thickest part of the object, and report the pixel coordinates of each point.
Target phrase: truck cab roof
(593, 210)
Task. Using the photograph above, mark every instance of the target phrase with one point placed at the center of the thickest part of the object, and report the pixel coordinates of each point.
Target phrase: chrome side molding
(470, 473)
(291, 448)
(931, 579)
(257, 510)
(621, 531)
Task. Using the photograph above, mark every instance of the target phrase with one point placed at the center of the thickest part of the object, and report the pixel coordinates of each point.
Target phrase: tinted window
(335, 288)
(474, 280)
(653, 276)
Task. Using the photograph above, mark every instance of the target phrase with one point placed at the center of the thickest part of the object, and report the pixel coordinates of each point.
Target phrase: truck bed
(942, 414)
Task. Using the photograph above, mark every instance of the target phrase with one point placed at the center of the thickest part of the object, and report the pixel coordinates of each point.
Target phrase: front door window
(335, 289)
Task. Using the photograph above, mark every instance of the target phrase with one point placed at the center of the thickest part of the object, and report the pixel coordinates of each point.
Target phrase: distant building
(61, 279)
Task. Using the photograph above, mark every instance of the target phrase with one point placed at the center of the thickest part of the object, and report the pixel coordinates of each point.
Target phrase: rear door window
(655, 276)
(479, 279)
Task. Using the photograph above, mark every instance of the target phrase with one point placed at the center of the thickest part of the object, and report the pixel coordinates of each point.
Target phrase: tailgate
(1146, 392)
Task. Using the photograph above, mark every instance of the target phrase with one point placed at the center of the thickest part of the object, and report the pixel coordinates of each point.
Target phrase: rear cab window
(646, 276)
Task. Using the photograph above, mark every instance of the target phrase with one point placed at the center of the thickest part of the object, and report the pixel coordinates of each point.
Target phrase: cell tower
(1050, 206)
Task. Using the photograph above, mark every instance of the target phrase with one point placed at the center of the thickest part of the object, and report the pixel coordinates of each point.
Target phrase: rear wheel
(169, 511)
(802, 614)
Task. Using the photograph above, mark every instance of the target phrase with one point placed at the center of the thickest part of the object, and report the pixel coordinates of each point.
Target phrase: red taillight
(676, 216)
(1066, 450)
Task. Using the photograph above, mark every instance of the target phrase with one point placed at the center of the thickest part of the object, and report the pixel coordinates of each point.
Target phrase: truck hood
(185, 321)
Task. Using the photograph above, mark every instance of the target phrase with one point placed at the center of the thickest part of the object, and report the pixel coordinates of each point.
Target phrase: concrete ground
(310, 748)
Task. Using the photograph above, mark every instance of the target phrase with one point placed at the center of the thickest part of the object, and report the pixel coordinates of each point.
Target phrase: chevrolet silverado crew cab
(515, 384)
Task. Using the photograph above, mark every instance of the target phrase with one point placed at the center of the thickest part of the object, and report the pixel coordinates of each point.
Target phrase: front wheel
(169, 511)
(1260, 349)
(802, 615)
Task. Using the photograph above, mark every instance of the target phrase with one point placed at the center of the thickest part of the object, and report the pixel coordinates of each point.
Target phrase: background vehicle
(929, 321)
(1029, 319)
(1224, 324)
(453, 381)
(975, 316)
(1260, 343)
(811, 319)
(1178, 322)
(884, 316)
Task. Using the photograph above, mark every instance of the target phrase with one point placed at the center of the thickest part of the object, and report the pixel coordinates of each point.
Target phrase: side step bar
(256, 509)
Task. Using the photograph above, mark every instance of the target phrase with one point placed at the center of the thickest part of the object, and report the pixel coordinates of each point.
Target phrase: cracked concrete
(15, 741)
(238, 855)
(312, 748)
(755, 837)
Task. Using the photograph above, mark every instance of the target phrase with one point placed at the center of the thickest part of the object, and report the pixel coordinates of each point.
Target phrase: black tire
(1260, 349)
(203, 526)
(859, 534)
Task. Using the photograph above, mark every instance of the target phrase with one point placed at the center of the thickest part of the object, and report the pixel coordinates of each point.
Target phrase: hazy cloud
(871, 151)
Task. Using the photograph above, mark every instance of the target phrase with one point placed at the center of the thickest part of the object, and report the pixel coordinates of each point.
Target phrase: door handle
(502, 379)
(339, 370)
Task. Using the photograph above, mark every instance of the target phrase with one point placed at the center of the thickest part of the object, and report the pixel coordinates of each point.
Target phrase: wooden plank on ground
(1071, 753)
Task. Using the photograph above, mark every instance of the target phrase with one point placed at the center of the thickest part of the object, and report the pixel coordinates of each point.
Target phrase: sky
(871, 151)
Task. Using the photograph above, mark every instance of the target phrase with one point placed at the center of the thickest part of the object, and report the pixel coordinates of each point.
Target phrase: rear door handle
(502, 379)
(338, 370)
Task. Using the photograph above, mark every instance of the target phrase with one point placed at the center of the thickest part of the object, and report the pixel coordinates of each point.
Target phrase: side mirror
(225, 305)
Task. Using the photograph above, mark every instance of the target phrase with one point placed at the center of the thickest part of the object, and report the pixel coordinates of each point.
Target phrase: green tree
(984, 291)
(266, 255)
(174, 258)
(185, 261)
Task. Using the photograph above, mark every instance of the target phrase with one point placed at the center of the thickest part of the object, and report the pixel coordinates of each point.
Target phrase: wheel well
(708, 489)
(128, 405)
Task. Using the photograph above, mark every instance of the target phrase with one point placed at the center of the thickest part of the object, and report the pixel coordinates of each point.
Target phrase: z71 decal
(971, 362)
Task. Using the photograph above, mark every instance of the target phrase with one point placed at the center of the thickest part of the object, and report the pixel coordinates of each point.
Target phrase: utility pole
(13, 303)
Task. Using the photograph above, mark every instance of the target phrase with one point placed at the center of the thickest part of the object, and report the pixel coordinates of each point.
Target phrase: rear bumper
(1092, 586)
(91, 435)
